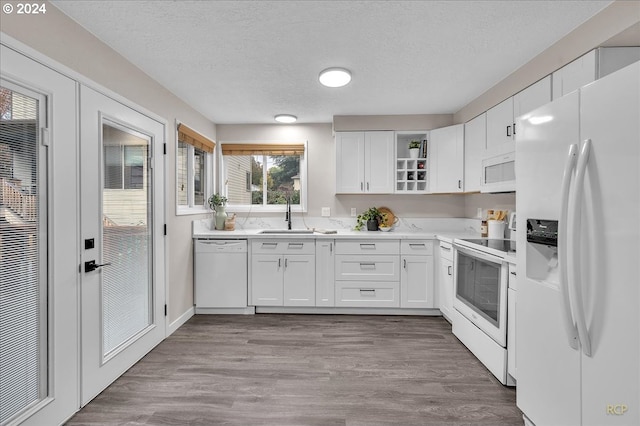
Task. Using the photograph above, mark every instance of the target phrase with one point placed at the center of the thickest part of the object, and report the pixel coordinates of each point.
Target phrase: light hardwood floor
(306, 370)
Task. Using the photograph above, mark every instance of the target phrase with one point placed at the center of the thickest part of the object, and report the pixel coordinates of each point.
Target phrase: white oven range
(480, 302)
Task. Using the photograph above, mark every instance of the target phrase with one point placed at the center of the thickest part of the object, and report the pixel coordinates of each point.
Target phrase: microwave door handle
(576, 284)
(567, 313)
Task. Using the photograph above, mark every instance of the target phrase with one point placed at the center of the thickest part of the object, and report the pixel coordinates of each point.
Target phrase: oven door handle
(480, 255)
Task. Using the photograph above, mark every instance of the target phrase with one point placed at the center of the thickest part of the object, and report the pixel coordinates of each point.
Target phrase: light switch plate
(353, 212)
(326, 211)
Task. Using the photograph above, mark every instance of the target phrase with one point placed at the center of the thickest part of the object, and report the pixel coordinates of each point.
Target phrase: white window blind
(23, 266)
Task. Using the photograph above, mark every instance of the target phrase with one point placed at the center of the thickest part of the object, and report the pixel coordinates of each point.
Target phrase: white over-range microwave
(499, 173)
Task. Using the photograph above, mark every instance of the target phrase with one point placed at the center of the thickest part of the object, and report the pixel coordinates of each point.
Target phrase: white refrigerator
(578, 307)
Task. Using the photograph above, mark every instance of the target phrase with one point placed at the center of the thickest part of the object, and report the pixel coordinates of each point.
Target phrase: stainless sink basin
(286, 231)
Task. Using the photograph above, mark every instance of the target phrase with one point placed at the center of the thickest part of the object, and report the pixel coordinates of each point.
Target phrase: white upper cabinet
(364, 162)
(447, 159)
(349, 162)
(500, 127)
(501, 118)
(532, 97)
(591, 66)
(475, 140)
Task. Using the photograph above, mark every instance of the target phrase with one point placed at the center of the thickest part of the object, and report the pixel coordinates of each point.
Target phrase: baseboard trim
(345, 311)
(226, 311)
(180, 321)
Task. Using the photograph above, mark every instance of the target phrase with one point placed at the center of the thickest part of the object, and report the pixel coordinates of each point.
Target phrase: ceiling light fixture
(335, 77)
(285, 118)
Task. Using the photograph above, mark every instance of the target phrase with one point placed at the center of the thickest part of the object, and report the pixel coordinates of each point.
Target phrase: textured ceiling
(245, 61)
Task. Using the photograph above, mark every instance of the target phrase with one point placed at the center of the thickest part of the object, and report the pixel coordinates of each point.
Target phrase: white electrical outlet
(326, 211)
(353, 212)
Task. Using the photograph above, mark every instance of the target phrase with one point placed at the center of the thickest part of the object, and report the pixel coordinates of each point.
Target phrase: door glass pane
(479, 286)
(23, 256)
(126, 233)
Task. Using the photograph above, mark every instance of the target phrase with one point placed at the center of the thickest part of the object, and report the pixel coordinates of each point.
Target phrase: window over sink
(261, 176)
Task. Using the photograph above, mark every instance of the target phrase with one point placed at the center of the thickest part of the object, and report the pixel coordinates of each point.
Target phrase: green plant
(372, 213)
(414, 144)
(217, 200)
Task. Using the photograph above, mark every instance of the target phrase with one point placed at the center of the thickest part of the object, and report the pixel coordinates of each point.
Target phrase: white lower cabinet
(512, 301)
(370, 294)
(416, 276)
(325, 267)
(367, 273)
(266, 280)
(283, 273)
(445, 280)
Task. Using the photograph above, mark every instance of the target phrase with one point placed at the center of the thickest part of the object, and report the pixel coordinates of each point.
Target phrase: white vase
(220, 217)
(413, 152)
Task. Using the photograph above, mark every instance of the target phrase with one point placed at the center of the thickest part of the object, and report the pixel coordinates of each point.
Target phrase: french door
(122, 247)
(38, 243)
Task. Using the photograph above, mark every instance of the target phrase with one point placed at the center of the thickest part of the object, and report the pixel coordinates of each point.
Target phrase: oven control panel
(542, 231)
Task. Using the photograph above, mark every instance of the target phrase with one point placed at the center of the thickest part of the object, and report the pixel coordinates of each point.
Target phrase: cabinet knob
(449, 270)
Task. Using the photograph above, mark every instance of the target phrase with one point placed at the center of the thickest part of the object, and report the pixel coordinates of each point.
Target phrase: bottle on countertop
(484, 224)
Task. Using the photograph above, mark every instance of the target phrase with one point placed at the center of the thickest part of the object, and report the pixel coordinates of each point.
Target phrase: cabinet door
(447, 159)
(266, 279)
(574, 75)
(445, 283)
(350, 162)
(500, 128)
(379, 162)
(300, 280)
(325, 282)
(532, 97)
(475, 140)
(416, 282)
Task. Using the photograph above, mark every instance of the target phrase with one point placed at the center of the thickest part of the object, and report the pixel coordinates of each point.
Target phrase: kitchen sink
(286, 231)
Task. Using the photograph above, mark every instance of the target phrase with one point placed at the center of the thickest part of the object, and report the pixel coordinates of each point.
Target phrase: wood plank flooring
(306, 370)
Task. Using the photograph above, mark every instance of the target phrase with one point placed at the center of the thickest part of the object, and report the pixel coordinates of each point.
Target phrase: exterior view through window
(263, 179)
(263, 174)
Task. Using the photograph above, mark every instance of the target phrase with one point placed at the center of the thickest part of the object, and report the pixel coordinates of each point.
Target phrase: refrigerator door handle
(576, 286)
(563, 241)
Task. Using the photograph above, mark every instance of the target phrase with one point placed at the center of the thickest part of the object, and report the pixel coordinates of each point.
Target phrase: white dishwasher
(220, 274)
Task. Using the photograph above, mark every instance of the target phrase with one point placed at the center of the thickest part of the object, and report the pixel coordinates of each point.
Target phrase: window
(259, 176)
(194, 162)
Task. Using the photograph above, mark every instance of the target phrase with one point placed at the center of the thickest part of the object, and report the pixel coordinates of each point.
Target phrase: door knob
(92, 265)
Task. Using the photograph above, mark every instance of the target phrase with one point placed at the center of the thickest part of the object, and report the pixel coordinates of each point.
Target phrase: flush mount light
(335, 77)
(285, 118)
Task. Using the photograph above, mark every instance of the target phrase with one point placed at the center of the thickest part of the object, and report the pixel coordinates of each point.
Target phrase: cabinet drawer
(368, 247)
(283, 247)
(367, 294)
(424, 247)
(371, 268)
(446, 251)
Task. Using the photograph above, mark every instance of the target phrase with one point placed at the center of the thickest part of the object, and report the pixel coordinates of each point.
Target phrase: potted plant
(414, 149)
(217, 203)
(372, 217)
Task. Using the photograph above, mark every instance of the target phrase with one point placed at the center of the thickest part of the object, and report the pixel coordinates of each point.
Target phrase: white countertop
(201, 230)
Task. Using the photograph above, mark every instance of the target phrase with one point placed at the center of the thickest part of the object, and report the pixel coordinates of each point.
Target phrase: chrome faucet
(287, 214)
